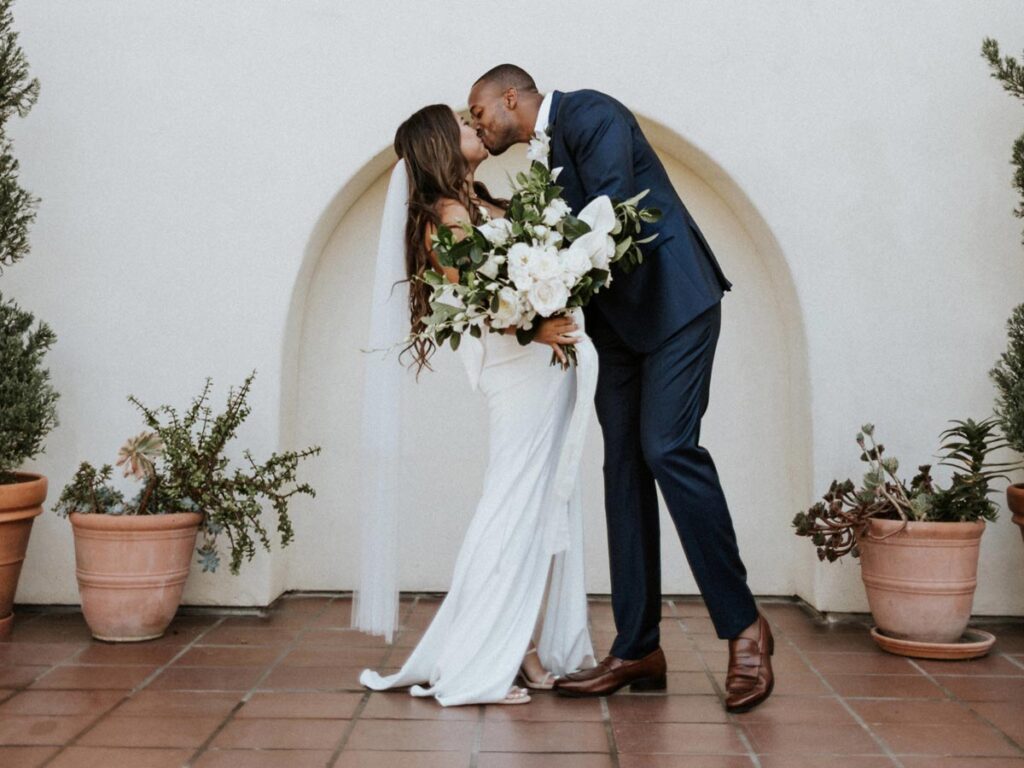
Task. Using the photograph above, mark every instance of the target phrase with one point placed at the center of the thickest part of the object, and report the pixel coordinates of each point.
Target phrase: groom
(655, 331)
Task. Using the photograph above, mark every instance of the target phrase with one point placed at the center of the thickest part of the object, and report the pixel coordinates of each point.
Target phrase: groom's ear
(510, 98)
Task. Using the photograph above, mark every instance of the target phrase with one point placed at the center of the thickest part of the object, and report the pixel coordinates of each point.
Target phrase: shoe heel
(653, 683)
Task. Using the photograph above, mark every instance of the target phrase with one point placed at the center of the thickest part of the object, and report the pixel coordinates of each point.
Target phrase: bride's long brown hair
(429, 143)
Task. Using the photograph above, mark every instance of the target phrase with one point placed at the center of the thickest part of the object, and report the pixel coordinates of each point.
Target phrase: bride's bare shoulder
(451, 211)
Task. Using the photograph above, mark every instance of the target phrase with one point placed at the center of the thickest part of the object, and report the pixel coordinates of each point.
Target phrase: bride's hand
(557, 332)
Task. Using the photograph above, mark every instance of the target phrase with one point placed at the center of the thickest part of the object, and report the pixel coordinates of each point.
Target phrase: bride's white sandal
(516, 695)
(546, 683)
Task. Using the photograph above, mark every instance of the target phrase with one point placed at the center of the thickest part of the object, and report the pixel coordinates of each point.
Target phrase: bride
(522, 555)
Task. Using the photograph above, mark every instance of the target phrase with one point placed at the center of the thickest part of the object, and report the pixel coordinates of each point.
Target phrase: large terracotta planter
(132, 570)
(20, 504)
(920, 581)
(1015, 501)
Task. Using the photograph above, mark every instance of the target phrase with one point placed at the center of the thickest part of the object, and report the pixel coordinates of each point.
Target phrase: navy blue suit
(655, 330)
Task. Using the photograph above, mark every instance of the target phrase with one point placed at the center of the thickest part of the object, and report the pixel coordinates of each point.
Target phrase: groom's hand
(557, 332)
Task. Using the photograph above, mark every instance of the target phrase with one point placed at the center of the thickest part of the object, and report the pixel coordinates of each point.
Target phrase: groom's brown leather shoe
(646, 674)
(750, 679)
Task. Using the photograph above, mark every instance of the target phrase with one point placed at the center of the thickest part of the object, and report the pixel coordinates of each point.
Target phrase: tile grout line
(478, 737)
(1012, 660)
(720, 693)
(230, 717)
(347, 731)
(141, 686)
(842, 701)
(609, 731)
(966, 705)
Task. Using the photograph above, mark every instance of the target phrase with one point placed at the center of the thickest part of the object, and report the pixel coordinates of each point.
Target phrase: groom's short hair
(507, 76)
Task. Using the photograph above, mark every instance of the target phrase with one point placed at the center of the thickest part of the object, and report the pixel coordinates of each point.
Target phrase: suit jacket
(602, 151)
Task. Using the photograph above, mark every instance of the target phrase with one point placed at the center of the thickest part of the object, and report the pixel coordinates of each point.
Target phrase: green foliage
(1008, 375)
(193, 476)
(1010, 73)
(18, 92)
(834, 523)
(27, 399)
(28, 408)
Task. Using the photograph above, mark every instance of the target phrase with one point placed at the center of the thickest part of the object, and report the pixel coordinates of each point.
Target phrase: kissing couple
(515, 616)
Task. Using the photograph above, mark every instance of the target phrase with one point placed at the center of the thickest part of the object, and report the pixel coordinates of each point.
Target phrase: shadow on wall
(757, 427)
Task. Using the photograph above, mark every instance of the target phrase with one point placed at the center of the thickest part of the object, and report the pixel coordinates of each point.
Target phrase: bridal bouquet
(540, 259)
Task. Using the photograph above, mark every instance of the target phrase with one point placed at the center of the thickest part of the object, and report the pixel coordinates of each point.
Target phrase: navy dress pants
(650, 407)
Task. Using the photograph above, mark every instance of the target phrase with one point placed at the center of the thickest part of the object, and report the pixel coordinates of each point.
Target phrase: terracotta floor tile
(235, 635)
(382, 759)
(678, 738)
(37, 654)
(30, 730)
(976, 688)
(79, 677)
(816, 761)
(876, 662)
(684, 761)
(269, 621)
(119, 731)
(399, 705)
(151, 703)
(281, 733)
(527, 760)
(1006, 716)
(426, 735)
(688, 683)
(912, 711)
(270, 758)
(884, 686)
(972, 740)
(20, 676)
(549, 707)
(228, 656)
(326, 656)
(525, 736)
(51, 628)
(314, 679)
(25, 757)
(820, 711)
(796, 739)
(60, 702)
(347, 638)
(667, 709)
(127, 653)
(933, 761)
(106, 757)
(309, 705)
(794, 684)
(207, 679)
(986, 665)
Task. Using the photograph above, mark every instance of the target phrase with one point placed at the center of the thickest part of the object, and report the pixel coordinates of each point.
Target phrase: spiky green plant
(181, 461)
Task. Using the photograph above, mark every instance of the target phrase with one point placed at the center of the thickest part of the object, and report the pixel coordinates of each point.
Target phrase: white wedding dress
(529, 512)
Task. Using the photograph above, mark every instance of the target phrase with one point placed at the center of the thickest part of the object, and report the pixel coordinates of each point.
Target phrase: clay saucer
(973, 643)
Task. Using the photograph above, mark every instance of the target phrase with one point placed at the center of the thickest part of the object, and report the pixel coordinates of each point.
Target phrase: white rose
(519, 265)
(548, 296)
(555, 211)
(599, 215)
(497, 231)
(509, 309)
(577, 260)
(544, 263)
(599, 247)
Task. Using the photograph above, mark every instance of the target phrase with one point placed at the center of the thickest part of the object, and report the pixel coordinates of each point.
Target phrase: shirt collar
(544, 114)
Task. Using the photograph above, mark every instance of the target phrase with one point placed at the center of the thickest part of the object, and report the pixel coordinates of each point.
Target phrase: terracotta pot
(131, 571)
(1015, 501)
(920, 581)
(20, 504)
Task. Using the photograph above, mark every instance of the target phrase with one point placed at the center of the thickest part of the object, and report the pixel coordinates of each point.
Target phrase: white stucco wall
(209, 172)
